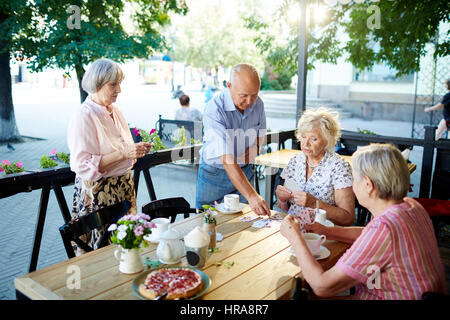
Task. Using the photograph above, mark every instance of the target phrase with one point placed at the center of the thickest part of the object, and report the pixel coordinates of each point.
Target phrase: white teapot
(170, 249)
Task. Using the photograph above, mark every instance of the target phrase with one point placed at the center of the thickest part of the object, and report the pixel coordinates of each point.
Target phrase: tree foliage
(50, 42)
(213, 34)
(405, 28)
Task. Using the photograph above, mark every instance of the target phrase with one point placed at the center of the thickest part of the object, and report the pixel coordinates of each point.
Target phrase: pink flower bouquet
(130, 230)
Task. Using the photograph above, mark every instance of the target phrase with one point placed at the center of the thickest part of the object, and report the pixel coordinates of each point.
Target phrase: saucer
(327, 223)
(324, 253)
(221, 208)
(152, 238)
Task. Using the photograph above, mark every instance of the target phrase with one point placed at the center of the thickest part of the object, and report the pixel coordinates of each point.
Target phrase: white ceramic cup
(162, 225)
(321, 216)
(231, 202)
(314, 241)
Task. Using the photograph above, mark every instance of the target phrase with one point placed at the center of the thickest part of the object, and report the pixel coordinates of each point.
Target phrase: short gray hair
(386, 167)
(323, 119)
(251, 69)
(100, 72)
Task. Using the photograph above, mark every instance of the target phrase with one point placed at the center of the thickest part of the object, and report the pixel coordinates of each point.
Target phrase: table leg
(39, 227)
(21, 296)
(62, 203)
(136, 176)
(148, 181)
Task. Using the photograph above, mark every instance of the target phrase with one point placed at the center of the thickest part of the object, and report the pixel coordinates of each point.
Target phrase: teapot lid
(170, 234)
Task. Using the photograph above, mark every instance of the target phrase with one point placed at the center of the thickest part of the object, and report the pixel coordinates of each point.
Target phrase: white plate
(324, 253)
(327, 223)
(221, 208)
(152, 238)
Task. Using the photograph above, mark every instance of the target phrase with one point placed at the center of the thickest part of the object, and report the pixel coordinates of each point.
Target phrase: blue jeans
(213, 184)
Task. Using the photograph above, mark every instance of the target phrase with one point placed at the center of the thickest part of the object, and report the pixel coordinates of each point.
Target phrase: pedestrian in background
(444, 124)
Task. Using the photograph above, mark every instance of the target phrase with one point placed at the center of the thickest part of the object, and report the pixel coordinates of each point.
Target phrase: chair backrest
(168, 208)
(72, 230)
(167, 130)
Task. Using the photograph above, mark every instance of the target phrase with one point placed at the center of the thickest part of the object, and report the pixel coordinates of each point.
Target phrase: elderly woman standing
(319, 172)
(102, 151)
(395, 256)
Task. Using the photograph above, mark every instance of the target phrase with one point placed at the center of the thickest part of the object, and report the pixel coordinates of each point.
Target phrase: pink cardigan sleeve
(84, 147)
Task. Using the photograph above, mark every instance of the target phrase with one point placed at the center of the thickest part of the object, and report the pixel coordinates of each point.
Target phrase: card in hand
(292, 185)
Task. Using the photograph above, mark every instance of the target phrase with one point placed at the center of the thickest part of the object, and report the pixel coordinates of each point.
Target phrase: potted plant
(51, 160)
(129, 233)
(152, 136)
(8, 168)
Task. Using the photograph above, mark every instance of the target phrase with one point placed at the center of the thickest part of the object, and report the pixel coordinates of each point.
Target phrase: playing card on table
(261, 223)
(275, 223)
(292, 185)
(248, 218)
(276, 216)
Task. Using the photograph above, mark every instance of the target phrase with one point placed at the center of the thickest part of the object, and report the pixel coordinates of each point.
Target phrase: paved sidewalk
(48, 120)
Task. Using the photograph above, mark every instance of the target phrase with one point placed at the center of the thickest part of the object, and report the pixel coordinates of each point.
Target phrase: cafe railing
(55, 179)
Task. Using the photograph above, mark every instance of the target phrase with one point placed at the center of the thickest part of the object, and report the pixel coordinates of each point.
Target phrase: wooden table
(280, 159)
(263, 267)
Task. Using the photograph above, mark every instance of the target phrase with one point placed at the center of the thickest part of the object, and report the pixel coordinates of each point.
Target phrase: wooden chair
(168, 208)
(72, 230)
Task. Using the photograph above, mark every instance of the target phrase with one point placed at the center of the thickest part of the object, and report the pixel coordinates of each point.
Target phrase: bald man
(234, 128)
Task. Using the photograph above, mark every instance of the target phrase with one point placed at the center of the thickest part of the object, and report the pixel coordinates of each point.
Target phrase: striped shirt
(396, 256)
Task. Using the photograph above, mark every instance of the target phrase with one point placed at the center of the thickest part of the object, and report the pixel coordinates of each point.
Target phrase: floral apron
(90, 196)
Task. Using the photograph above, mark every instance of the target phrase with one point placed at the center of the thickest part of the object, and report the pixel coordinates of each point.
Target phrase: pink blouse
(92, 133)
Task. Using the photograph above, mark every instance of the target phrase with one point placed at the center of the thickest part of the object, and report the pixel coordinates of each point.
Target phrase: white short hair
(323, 119)
(100, 72)
(251, 69)
(385, 166)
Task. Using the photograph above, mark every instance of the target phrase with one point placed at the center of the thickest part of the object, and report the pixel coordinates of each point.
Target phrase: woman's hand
(283, 193)
(427, 109)
(304, 199)
(290, 228)
(137, 150)
(316, 228)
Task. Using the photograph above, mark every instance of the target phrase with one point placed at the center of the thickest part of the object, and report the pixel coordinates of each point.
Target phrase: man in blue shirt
(234, 128)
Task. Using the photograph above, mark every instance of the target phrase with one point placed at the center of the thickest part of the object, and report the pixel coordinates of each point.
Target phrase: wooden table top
(280, 159)
(263, 266)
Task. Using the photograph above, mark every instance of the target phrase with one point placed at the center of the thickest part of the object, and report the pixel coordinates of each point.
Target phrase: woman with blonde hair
(102, 151)
(319, 172)
(395, 257)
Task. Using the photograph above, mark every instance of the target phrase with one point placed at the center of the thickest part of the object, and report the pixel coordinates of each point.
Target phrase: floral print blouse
(332, 173)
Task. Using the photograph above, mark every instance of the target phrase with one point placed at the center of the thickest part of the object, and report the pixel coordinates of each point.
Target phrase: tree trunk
(80, 73)
(8, 126)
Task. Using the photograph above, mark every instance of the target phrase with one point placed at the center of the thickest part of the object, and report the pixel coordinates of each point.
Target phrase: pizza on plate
(180, 283)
